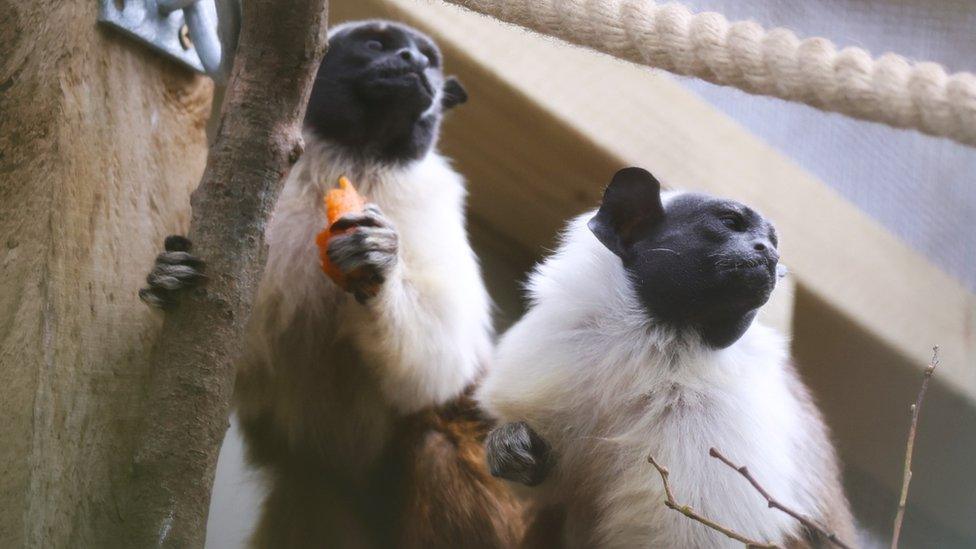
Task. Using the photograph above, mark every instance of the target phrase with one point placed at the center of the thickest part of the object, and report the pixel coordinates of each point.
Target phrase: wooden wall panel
(100, 145)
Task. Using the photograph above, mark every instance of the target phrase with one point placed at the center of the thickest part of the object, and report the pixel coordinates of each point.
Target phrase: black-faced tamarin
(641, 341)
(355, 401)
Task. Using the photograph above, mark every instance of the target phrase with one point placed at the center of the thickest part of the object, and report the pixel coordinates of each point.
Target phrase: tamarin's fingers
(353, 221)
(179, 258)
(182, 274)
(363, 256)
(175, 270)
(173, 277)
(154, 298)
(364, 294)
(365, 282)
(373, 239)
(516, 452)
(377, 261)
(365, 262)
(177, 243)
(371, 216)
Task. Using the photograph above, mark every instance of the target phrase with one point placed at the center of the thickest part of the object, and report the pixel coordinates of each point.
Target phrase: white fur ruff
(607, 387)
(428, 332)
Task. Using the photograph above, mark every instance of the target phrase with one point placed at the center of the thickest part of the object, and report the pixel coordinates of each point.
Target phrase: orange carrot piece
(338, 202)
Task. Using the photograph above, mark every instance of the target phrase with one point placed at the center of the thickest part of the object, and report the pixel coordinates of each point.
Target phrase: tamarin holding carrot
(353, 395)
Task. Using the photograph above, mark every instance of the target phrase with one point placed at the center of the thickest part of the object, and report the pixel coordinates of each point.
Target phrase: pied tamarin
(641, 340)
(355, 403)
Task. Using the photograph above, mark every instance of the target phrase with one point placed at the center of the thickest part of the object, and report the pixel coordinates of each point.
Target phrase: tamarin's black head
(698, 261)
(380, 91)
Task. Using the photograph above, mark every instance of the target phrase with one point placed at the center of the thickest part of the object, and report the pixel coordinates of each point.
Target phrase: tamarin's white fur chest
(606, 387)
(418, 343)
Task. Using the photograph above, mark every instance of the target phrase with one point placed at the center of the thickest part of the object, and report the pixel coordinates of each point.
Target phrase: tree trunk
(101, 142)
(187, 401)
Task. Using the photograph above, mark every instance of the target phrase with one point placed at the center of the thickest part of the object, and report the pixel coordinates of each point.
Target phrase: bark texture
(187, 401)
(101, 143)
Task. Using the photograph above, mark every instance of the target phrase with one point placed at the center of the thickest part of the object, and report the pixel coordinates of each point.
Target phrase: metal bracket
(183, 30)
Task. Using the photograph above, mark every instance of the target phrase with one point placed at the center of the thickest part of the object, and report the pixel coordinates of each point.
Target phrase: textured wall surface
(100, 145)
(920, 188)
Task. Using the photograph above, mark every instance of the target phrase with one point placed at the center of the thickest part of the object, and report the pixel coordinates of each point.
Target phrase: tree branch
(187, 398)
(916, 409)
(773, 503)
(690, 513)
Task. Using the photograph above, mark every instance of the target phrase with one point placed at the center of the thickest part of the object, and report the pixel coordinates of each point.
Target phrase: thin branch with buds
(775, 504)
(690, 513)
(910, 447)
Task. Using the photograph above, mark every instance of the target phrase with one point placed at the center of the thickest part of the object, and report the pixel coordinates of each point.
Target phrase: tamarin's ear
(631, 201)
(454, 93)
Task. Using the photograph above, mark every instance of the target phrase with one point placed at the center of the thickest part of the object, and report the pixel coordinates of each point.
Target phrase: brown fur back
(431, 489)
(546, 529)
(451, 499)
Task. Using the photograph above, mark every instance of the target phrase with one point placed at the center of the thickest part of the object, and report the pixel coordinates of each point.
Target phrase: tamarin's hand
(515, 452)
(365, 252)
(175, 271)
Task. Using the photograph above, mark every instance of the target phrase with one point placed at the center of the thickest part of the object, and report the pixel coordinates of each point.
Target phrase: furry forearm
(425, 338)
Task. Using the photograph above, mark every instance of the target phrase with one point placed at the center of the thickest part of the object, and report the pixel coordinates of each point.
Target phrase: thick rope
(889, 89)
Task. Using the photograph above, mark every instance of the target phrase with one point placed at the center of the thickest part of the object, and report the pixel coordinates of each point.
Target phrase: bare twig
(188, 395)
(775, 504)
(910, 447)
(690, 513)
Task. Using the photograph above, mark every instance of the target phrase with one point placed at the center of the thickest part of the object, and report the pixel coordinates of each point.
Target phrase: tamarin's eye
(733, 221)
(374, 45)
(431, 56)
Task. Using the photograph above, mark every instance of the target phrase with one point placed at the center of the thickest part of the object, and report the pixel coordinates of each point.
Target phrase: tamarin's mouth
(739, 264)
(391, 72)
(404, 73)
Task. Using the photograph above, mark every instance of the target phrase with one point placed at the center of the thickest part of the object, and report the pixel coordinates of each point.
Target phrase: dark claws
(177, 243)
(175, 271)
(371, 216)
(366, 254)
(157, 299)
(361, 296)
(173, 277)
(517, 453)
(178, 258)
(363, 247)
(350, 221)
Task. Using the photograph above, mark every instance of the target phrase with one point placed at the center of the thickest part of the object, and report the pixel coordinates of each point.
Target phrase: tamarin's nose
(766, 248)
(414, 57)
